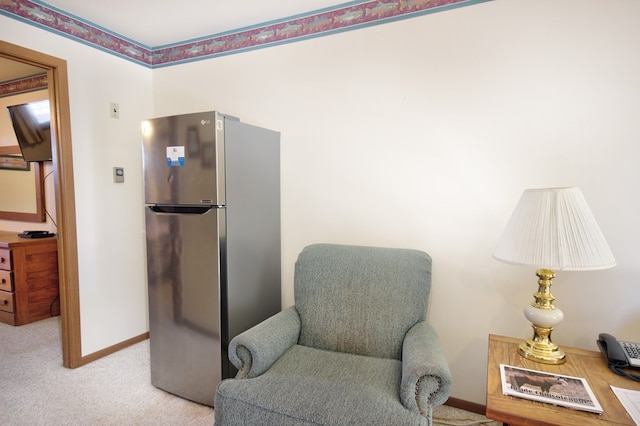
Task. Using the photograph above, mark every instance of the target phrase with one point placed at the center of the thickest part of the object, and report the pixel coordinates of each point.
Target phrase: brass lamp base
(543, 316)
(541, 349)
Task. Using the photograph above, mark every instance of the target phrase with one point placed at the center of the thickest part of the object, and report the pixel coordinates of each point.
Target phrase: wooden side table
(590, 365)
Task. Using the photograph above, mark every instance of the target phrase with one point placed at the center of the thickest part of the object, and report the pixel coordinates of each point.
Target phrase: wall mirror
(21, 183)
(22, 187)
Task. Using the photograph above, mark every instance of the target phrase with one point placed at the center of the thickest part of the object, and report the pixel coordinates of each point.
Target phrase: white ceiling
(156, 23)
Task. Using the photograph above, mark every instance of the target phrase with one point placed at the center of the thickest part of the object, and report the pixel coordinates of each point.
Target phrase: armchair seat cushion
(308, 386)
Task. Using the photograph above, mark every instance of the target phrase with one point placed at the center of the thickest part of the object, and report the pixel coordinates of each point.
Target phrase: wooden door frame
(58, 85)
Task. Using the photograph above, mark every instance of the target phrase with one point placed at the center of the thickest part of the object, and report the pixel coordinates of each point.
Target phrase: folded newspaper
(565, 391)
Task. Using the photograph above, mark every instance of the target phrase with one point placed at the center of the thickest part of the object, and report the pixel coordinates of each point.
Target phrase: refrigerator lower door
(183, 258)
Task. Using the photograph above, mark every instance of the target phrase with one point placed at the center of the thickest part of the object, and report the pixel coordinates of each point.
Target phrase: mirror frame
(58, 86)
(39, 215)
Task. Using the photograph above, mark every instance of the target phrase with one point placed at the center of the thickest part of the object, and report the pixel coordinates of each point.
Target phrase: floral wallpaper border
(345, 17)
(23, 85)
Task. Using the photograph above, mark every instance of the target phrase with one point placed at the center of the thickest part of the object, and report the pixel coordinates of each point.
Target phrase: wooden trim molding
(467, 406)
(115, 348)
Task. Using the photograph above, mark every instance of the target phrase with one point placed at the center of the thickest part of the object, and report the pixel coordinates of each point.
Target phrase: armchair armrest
(426, 379)
(255, 350)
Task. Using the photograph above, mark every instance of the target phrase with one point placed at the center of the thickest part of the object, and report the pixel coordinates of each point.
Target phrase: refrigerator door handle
(182, 209)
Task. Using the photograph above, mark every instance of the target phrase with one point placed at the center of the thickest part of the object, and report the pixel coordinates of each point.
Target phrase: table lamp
(551, 229)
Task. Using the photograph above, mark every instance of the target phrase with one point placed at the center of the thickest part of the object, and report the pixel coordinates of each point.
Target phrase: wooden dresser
(28, 279)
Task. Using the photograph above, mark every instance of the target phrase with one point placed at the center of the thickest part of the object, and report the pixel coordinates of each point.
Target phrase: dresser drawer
(6, 301)
(5, 259)
(6, 280)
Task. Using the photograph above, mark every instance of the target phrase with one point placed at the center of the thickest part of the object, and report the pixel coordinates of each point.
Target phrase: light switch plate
(118, 174)
(114, 110)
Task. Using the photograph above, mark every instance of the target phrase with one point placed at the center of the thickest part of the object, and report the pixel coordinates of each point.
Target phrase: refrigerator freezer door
(183, 258)
(182, 159)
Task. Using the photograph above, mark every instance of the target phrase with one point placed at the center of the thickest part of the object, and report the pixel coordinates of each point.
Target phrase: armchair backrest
(360, 300)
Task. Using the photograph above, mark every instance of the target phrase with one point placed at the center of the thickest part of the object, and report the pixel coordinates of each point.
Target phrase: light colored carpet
(115, 390)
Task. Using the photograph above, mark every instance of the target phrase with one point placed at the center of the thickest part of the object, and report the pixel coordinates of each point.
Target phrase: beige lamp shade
(554, 228)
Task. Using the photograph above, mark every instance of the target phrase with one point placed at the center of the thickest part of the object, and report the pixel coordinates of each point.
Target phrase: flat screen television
(32, 125)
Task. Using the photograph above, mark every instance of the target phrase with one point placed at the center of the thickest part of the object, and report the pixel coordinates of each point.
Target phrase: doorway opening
(62, 164)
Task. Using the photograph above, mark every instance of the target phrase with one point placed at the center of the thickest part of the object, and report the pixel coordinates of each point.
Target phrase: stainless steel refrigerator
(212, 213)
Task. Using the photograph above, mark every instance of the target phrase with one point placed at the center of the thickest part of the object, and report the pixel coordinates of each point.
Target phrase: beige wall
(421, 133)
(109, 216)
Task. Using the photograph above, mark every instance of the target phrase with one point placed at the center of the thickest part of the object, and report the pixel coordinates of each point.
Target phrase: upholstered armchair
(355, 349)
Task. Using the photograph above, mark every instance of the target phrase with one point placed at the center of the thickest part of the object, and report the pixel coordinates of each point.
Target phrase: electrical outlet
(114, 110)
